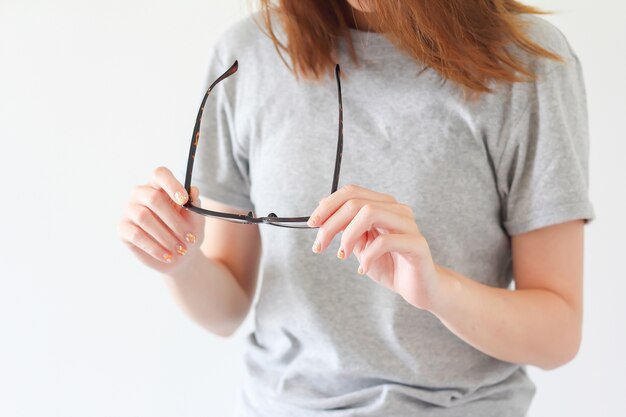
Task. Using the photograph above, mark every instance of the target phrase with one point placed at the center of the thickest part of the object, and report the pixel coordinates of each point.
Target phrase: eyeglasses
(272, 218)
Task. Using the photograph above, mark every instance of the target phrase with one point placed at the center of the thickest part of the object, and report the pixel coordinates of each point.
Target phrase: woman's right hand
(155, 226)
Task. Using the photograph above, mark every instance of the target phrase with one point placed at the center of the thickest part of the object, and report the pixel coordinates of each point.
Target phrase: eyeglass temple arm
(340, 132)
(228, 73)
(196, 130)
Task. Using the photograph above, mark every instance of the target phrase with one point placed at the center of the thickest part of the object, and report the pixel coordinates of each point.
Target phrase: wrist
(184, 266)
(449, 286)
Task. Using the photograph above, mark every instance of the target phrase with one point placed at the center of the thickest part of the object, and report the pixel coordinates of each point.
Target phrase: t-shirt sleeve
(221, 169)
(544, 167)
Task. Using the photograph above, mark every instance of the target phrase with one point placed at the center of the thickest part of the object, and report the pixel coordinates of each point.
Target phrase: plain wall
(95, 95)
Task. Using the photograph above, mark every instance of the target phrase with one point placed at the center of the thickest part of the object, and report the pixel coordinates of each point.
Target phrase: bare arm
(540, 322)
(217, 287)
(210, 265)
(209, 294)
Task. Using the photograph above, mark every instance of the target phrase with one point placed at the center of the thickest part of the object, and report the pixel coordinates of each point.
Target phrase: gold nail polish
(316, 247)
(341, 254)
(360, 270)
(181, 250)
(167, 257)
(189, 237)
(179, 197)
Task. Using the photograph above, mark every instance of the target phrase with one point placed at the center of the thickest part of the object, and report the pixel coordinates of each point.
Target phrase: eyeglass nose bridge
(265, 219)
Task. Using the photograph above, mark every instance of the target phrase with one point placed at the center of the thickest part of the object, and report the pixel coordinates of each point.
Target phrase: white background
(93, 96)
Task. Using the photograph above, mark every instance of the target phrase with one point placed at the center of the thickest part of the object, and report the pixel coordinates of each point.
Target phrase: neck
(357, 19)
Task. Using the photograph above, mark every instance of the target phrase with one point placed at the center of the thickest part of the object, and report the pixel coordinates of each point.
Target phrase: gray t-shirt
(328, 341)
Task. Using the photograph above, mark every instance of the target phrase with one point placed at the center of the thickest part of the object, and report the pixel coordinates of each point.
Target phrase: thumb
(195, 195)
(194, 199)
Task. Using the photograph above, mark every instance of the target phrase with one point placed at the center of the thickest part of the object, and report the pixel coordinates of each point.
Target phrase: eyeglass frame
(271, 218)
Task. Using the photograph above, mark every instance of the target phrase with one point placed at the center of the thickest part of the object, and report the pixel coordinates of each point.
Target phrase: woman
(464, 171)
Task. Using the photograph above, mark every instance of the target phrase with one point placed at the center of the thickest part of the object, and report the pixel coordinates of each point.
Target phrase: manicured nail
(167, 257)
(360, 270)
(180, 197)
(341, 254)
(313, 220)
(189, 237)
(181, 250)
(316, 247)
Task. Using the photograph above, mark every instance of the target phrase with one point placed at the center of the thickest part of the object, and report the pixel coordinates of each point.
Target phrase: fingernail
(341, 254)
(180, 197)
(360, 270)
(167, 257)
(316, 247)
(313, 220)
(181, 250)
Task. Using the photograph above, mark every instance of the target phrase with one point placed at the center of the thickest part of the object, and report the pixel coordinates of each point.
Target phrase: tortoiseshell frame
(271, 218)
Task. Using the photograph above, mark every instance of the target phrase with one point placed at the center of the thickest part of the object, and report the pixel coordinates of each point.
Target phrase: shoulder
(553, 78)
(547, 35)
(550, 105)
(244, 38)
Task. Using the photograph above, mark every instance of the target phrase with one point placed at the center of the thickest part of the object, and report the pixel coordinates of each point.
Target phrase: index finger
(330, 204)
(162, 178)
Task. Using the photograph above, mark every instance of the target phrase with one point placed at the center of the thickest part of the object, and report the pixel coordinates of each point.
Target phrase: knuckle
(154, 198)
(143, 214)
(350, 188)
(158, 171)
(368, 209)
(352, 205)
(136, 190)
(161, 171)
(134, 235)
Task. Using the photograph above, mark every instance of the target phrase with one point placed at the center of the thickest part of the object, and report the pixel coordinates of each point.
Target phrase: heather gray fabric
(328, 341)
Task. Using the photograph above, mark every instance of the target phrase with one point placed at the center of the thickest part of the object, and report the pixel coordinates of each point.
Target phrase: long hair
(463, 40)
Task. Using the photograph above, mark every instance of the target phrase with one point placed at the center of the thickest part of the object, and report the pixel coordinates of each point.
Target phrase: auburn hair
(463, 40)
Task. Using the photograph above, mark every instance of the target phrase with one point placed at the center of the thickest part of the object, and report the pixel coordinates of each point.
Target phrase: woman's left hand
(384, 237)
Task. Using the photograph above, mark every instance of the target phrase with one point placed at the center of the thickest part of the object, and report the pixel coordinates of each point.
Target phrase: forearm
(209, 294)
(529, 326)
